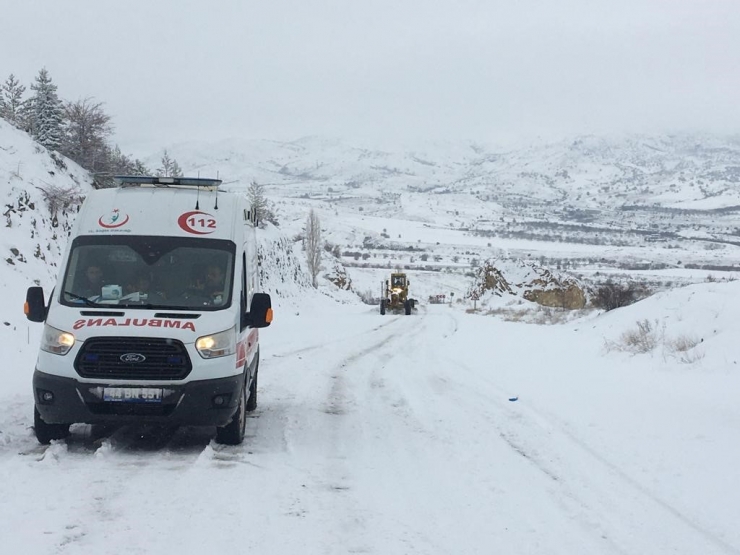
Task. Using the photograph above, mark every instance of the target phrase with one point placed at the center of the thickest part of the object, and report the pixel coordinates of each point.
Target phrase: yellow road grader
(394, 295)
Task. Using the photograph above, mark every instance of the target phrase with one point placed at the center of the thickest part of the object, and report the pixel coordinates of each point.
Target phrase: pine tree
(26, 116)
(113, 162)
(11, 101)
(120, 164)
(3, 104)
(256, 196)
(169, 168)
(139, 168)
(263, 209)
(176, 170)
(47, 112)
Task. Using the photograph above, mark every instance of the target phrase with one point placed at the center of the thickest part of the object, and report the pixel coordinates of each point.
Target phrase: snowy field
(438, 433)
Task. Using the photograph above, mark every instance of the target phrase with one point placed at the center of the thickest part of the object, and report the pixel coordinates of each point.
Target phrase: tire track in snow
(325, 344)
(636, 485)
(433, 329)
(550, 432)
(341, 434)
(529, 425)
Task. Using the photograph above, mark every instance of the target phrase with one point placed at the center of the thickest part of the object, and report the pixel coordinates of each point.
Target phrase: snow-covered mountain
(588, 203)
(681, 171)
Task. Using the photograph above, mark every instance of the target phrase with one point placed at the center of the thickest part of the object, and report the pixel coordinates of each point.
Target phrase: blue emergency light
(138, 180)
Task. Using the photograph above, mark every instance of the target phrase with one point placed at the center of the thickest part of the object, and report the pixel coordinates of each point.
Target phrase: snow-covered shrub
(612, 295)
(643, 339)
(684, 348)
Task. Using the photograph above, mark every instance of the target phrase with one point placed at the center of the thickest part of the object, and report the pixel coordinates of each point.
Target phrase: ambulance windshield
(149, 272)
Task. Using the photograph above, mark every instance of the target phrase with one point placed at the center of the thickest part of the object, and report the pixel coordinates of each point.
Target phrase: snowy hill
(40, 192)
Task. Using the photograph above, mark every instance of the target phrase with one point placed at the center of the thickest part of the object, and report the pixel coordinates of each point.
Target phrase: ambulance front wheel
(252, 401)
(46, 432)
(233, 432)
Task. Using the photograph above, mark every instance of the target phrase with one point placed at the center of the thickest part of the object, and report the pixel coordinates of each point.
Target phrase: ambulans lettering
(139, 322)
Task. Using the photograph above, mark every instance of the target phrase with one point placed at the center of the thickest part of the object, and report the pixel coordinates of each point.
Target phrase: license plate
(132, 395)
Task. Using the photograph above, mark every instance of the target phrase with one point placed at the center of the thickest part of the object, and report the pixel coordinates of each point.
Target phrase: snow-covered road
(397, 435)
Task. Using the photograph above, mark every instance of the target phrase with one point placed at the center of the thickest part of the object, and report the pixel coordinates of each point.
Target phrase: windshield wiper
(150, 306)
(87, 301)
(142, 305)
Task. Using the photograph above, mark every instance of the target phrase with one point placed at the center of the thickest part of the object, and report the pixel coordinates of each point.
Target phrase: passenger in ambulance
(141, 284)
(211, 284)
(92, 283)
(206, 285)
(214, 285)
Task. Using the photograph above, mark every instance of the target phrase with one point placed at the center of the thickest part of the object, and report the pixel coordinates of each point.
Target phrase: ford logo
(132, 357)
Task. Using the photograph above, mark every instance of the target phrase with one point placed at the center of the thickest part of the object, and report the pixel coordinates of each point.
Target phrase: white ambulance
(155, 313)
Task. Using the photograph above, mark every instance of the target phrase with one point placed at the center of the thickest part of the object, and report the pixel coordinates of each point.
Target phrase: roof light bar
(134, 180)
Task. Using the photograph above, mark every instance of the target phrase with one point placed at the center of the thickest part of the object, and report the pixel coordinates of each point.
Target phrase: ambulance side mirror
(260, 311)
(35, 308)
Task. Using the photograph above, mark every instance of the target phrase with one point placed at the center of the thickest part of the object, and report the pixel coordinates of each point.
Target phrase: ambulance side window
(243, 295)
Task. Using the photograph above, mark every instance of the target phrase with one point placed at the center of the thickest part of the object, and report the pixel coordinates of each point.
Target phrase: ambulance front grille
(133, 358)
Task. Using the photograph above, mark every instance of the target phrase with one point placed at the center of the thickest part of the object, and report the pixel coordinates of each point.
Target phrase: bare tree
(86, 130)
(61, 198)
(313, 246)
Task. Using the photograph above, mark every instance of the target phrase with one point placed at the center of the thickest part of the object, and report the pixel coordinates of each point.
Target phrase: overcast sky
(388, 70)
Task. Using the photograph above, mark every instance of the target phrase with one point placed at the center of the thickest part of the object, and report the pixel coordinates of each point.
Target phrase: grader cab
(395, 295)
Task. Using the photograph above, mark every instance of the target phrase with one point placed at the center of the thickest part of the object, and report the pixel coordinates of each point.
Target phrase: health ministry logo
(113, 220)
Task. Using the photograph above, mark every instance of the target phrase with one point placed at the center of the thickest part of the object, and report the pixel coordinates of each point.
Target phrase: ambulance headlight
(217, 345)
(56, 341)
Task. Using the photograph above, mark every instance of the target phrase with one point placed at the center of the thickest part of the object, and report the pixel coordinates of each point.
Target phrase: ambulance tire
(233, 432)
(252, 401)
(45, 432)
